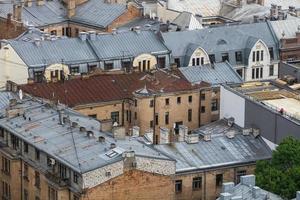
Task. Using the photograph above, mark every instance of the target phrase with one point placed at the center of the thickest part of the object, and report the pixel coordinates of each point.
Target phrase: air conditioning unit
(51, 161)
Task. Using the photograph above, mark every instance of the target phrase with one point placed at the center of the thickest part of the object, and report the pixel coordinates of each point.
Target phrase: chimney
(256, 191)
(83, 36)
(106, 125)
(8, 21)
(113, 145)
(183, 130)
(137, 29)
(227, 187)
(101, 139)
(28, 3)
(40, 2)
(225, 196)
(119, 133)
(92, 35)
(71, 8)
(61, 116)
(164, 135)
(192, 138)
(17, 12)
(248, 180)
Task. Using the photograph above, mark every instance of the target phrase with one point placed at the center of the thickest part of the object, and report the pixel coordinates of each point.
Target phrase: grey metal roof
(4, 101)
(96, 12)
(44, 132)
(74, 50)
(93, 12)
(217, 74)
(218, 39)
(220, 151)
(129, 43)
(49, 52)
(288, 27)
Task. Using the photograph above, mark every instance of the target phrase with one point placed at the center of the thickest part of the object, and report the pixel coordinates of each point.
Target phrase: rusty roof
(109, 87)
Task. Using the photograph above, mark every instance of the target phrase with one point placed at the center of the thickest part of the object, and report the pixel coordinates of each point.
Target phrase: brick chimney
(71, 8)
(17, 12)
(8, 21)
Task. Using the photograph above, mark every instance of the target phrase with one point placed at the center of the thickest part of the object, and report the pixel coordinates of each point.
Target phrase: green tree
(281, 174)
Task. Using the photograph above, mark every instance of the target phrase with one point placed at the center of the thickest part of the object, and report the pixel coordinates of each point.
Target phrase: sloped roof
(187, 21)
(93, 12)
(289, 27)
(235, 37)
(220, 151)
(217, 74)
(109, 87)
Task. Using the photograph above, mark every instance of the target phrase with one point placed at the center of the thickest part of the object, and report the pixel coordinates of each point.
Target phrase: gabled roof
(214, 74)
(109, 87)
(93, 12)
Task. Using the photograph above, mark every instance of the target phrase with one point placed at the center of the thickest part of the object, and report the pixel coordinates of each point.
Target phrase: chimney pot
(248, 180)
(228, 187)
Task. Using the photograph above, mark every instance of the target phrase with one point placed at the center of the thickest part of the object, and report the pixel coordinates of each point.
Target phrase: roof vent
(255, 132)
(113, 145)
(82, 129)
(230, 134)
(230, 121)
(90, 134)
(207, 136)
(101, 139)
(137, 29)
(37, 42)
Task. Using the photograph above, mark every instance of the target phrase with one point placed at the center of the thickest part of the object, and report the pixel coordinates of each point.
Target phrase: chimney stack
(28, 3)
(71, 8)
(83, 36)
(17, 12)
(92, 35)
(40, 2)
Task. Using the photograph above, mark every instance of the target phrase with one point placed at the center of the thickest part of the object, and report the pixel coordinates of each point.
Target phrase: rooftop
(219, 151)
(286, 28)
(269, 94)
(40, 127)
(109, 87)
(215, 74)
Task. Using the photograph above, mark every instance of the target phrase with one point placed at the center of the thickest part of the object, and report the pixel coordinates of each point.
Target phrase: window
(167, 118)
(162, 62)
(94, 116)
(190, 115)
(238, 56)
(108, 66)
(62, 170)
(240, 72)
(126, 65)
(156, 118)
(198, 61)
(25, 194)
(225, 57)
(37, 154)
(2, 132)
(144, 65)
(261, 72)
(190, 99)
(151, 103)
(75, 177)
(135, 103)
(52, 194)
(202, 109)
(130, 116)
(37, 182)
(177, 61)
(257, 55)
(53, 32)
(37, 198)
(261, 55)
(25, 147)
(167, 101)
(74, 70)
(202, 96)
(76, 32)
(38, 76)
(253, 56)
(271, 70)
(214, 105)
(135, 115)
(257, 73)
(5, 190)
(151, 124)
(202, 61)
(193, 62)
(253, 73)
(115, 117)
(148, 65)
(271, 52)
(197, 183)
(75, 197)
(239, 174)
(178, 100)
(14, 142)
(5, 165)
(219, 180)
(140, 66)
(212, 58)
(25, 172)
(178, 186)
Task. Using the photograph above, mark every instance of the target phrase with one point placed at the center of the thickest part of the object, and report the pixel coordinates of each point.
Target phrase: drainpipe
(123, 113)
(154, 122)
(199, 110)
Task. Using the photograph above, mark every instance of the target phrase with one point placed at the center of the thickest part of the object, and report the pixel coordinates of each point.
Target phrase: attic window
(221, 42)
(111, 154)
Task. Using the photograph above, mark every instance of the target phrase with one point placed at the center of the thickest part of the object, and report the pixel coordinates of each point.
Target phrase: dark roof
(109, 87)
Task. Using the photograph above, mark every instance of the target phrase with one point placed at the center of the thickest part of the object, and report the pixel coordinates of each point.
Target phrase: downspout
(123, 113)
(154, 122)
(199, 110)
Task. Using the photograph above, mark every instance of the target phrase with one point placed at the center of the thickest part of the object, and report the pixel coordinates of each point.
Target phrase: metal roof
(187, 21)
(4, 101)
(288, 27)
(74, 50)
(215, 74)
(220, 151)
(44, 132)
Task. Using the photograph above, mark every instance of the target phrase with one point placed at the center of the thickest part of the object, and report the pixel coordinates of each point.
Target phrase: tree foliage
(281, 175)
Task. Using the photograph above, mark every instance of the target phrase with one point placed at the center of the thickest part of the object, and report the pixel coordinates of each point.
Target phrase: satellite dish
(21, 94)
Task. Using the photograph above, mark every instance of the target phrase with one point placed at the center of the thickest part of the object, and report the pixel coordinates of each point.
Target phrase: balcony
(54, 178)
